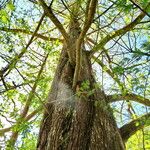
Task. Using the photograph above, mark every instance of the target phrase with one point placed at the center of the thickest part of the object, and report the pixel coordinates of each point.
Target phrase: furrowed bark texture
(78, 119)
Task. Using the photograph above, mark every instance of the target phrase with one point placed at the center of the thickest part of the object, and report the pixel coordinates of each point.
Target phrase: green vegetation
(114, 35)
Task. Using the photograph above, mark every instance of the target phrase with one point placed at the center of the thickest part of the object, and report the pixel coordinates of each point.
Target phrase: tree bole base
(78, 120)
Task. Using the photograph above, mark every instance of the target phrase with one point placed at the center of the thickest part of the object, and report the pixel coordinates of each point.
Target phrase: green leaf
(128, 8)
(118, 70)
(137, 124)
(10, 6)
(4, 19)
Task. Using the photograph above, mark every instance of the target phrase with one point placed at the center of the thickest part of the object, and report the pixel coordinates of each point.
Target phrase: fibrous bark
(77, 120)
(80, 118)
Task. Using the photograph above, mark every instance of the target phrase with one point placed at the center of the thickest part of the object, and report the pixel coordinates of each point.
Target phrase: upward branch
(129, 129)
(119, 32)
(91, 8)
(53, 18)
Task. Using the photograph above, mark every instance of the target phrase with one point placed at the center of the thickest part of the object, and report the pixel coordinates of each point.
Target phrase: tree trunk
(77, 119)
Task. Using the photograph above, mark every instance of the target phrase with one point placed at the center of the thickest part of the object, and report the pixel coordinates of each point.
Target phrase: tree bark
(78, 119)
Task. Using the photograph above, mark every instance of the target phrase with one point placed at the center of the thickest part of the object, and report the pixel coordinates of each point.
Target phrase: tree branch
(109, 72)
(53, 18)
(13, 62)
(139, 7)
(130, 128)
(91, 7)
(16, 86)
(30, 116)
(30, 33)
(128, 96)
(4, 130)
(25, 110)
(119, 97)
(119, 32)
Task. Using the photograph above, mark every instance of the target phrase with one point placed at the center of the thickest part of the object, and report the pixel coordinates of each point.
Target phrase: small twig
(140, 8)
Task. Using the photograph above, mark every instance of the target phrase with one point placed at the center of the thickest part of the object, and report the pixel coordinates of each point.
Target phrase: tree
(85, 35)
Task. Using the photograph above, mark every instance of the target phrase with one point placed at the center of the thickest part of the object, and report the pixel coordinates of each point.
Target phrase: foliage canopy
(31, 40)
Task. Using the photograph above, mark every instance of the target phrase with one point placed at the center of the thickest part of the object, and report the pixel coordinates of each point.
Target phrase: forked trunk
(78, 119)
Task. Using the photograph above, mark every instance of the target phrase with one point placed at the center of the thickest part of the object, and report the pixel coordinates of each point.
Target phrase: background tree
(93, 56)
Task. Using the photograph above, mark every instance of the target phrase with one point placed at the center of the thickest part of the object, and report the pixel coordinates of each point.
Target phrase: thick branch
(119, 32)
(129, 96)
(53, 18)
(129, 129)
(88, 21)
(30, 33)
